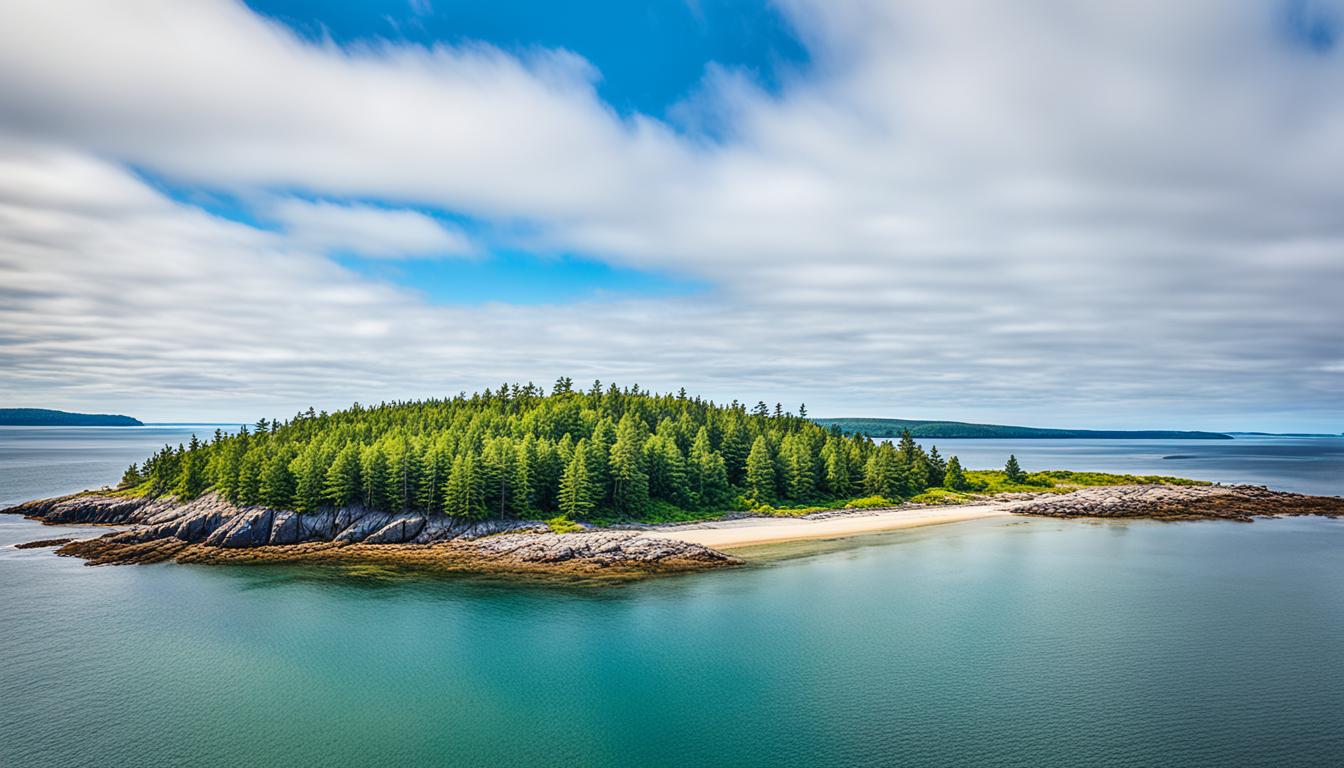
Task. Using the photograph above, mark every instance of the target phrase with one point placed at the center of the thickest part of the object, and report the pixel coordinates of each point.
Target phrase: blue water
(1019, 643)
(1300, 464)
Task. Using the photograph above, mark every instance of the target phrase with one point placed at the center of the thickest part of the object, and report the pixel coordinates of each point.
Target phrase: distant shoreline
(43, 417)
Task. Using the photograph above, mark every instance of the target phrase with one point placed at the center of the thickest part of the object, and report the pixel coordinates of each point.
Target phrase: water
(51, 461)
(1032, 643)
(1300, 464)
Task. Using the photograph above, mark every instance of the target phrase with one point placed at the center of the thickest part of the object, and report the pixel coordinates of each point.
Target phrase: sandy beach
(727, 534)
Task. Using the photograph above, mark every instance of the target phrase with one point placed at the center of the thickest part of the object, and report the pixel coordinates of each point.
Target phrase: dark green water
(1042, 643)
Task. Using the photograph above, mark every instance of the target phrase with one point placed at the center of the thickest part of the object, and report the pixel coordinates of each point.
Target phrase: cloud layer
(1050, 211)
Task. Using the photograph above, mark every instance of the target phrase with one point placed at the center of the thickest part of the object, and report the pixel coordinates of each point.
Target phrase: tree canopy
(517, 451)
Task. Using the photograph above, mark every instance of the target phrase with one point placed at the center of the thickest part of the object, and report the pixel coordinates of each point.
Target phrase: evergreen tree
(882, 474)
(577, 497)
(735, 447)
(464, 494)
(629, 481)
(310, 478)
(191, 479)
(935, 467)
(953, 478)
(131, 477)
(761, 472)
(277, 482)
(1013, 472)
(249, 476)
(836, 458)
(373, 471)
(342, 486)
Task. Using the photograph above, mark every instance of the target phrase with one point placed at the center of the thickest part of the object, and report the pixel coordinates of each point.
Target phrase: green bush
(870, 502)
(562, 524)
(941, 496)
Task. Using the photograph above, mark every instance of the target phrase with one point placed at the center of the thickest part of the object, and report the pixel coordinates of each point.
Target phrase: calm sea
(1025, 643)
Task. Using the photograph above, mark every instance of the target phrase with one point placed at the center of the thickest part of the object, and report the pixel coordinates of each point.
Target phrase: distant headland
(957, 429)
(43, 417)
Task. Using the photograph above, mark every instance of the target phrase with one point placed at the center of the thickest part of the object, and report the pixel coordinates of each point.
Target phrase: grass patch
(935, 496)
(870, 502)
(992, 481)
(562, 524)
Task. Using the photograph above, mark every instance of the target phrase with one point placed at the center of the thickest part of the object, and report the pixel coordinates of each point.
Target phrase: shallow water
(1019, 642)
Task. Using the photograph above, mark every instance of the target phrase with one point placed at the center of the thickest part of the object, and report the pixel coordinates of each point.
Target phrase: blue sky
(1066, 213)
(648, 59)
(650, 55)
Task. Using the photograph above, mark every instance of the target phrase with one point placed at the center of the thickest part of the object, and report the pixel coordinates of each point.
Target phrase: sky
(1050, 212)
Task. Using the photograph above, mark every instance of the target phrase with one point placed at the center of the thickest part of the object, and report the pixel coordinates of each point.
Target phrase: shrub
(562, 524)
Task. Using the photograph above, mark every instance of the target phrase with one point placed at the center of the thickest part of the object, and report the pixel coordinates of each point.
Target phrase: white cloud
(964, 209)
(369, 230)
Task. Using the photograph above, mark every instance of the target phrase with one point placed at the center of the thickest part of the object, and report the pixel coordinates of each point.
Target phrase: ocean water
(1017, 643)
(1300, 464)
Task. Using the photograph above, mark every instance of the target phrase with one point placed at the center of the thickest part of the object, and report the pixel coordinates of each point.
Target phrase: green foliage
(1060, 477)
(941, 496)
(596, 454)
(870, 502)
(761, 479)
(1013, 472)
(953, 476)
(562, 524)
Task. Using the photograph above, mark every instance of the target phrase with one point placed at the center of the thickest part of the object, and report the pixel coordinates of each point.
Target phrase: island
(959, 429)
(43, 417)
(605, 482)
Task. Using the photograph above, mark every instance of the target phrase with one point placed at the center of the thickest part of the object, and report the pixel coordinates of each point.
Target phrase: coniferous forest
(604, 453)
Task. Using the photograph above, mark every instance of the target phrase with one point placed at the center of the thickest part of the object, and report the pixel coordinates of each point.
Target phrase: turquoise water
(1031, 643)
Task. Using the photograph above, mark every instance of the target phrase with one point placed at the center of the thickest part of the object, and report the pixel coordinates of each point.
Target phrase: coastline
(756, 531)
(210, 530)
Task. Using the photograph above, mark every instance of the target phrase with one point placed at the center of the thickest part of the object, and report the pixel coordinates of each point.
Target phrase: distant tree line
(519, 451)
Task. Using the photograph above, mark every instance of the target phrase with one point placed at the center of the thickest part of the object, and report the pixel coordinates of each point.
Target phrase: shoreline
(757, 531)
(210, 530)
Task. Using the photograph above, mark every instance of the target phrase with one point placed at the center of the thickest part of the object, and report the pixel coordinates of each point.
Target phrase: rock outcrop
(1182, 502)
(210, 529)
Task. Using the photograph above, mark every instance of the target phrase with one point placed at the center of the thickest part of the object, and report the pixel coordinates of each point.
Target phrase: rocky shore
(211, 530)
(1242, 503)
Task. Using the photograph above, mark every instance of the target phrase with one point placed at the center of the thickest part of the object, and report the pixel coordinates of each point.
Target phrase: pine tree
(882, 474)
(735, 447)
(309, 478)
(838, 480)
(953, 478)
(249, 476)
(629, 481)
(1013, 472)
(800, 468)
(576, 498)
(342, 484)
(191, 479)
(131, 477)
(373, 472)
(761, 472)
(935, 467)
(464, 494)
(277, 482)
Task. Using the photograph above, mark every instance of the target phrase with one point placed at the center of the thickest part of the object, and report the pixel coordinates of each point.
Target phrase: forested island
(606, 482)
(957, 429)
(605, 453)
(43, 417)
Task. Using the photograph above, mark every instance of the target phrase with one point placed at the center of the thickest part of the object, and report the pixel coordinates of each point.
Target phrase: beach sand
(752, 531)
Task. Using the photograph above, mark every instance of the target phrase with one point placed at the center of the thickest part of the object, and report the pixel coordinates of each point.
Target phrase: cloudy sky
(1050, 212)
